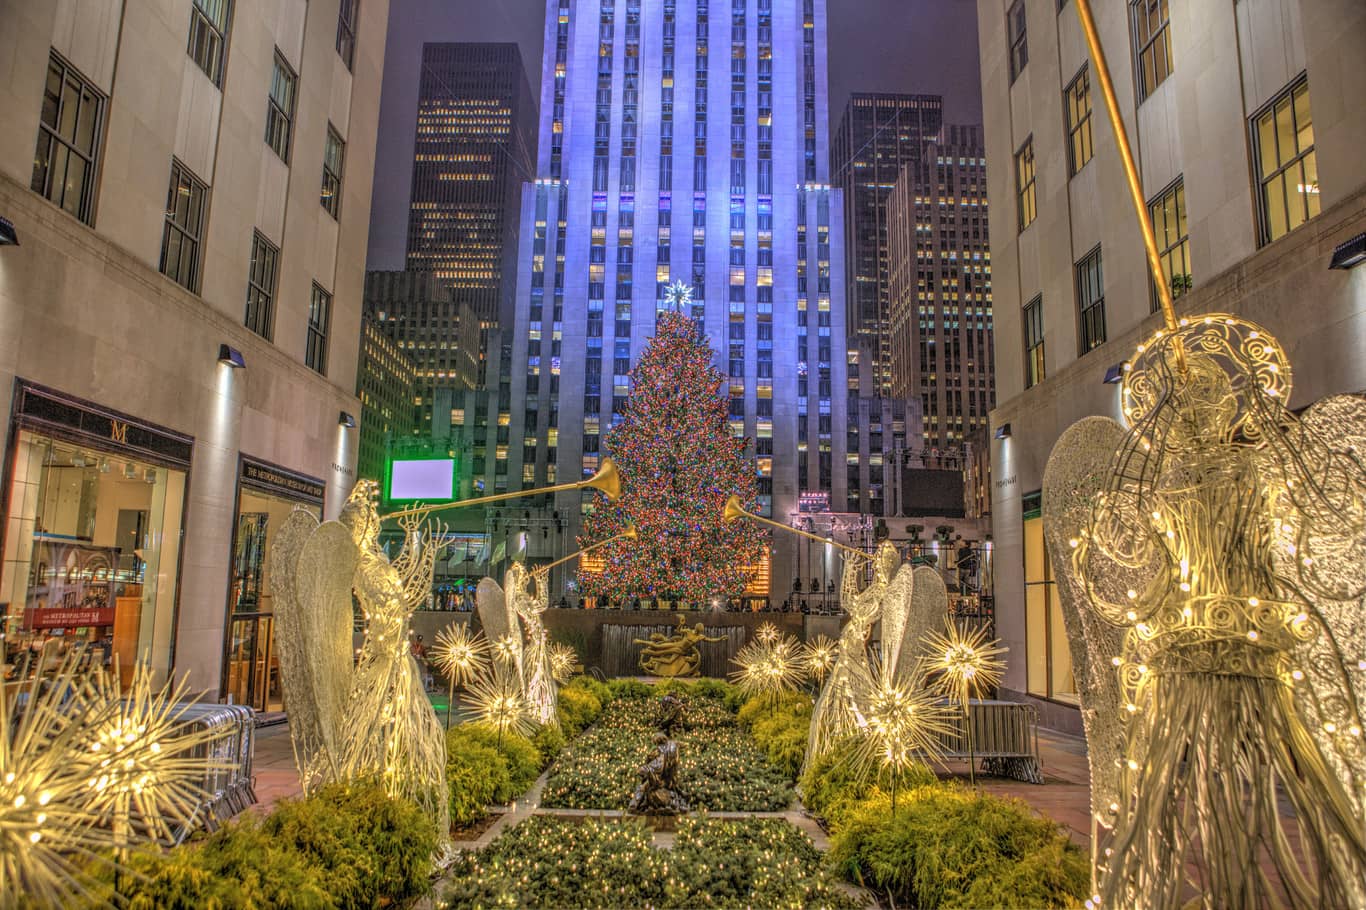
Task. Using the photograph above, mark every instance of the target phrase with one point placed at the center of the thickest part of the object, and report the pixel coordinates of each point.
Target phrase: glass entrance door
(253, 674)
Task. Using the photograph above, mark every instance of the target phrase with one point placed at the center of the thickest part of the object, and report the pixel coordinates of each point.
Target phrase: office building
(189, 183)
(682, 140)
(386, 385)
(939, 292)
(474, 148)
(878, 136)
(1248, 134)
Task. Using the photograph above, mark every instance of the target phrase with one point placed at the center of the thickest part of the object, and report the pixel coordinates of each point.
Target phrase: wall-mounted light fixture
(1115, 374)
(346, 420)
(1345, 255)
(8, 236)
(231, 357)
(1003, 431)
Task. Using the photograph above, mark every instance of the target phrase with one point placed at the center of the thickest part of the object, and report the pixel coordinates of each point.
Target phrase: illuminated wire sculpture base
(1224, 542)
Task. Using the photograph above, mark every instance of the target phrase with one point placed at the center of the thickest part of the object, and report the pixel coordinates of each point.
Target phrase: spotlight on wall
(1003, 431)
(8, 236)
(1115, 374)
(130, 471)
(346, 420)
(231, 357)
(1345, 255)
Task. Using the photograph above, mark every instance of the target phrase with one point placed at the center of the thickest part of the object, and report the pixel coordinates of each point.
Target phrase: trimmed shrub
(630, 688)
(549, 740)
(522, 759)
(761, 707)
(476, 775)
(593, 687)
(372, 846)
(946, 847)
(577, 709)
(830, 785)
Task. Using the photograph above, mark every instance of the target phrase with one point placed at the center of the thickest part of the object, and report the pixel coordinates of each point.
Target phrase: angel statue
(530, 595)
(1212, 570)
(375, 719)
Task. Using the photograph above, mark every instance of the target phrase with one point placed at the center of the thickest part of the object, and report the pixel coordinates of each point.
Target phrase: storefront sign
(45, 407)
(276, 480)
(68, 619)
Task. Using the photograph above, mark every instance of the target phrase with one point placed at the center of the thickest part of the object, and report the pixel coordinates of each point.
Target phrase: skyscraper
(879, 136)
(939, 291)
(683, 140)
(473, 150)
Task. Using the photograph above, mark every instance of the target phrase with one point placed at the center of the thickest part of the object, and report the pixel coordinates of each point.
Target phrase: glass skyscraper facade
(683, 140)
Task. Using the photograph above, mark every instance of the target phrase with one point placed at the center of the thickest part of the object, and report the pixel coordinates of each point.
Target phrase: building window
(319, 317)
(280, 108)
(260, 316)
(209, 24)
(1019, 45)
(1024, 183)
(64, 163)
(333, 155)
(1287, 169)
(1168, 213)
(184, 226)
(1048, 659)
(1152, 44)
(1032, 319)
(1091, 301)
(1078, 106)
(346, 31)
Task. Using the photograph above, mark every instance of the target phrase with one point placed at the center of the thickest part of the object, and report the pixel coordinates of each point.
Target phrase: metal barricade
(1005, 739)
(227, 779)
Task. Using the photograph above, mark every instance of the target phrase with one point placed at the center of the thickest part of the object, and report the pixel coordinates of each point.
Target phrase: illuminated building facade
(386, 387)
(474, 148)
(878, 136)
(683, 140)
(939, 292)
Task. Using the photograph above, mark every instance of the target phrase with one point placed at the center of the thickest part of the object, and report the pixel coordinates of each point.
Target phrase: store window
(266, 498)
(1048, 659)
(91, 548)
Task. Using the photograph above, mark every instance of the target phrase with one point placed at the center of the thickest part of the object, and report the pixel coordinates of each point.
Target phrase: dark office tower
(940, 323)
(878, 136)
(475, 145)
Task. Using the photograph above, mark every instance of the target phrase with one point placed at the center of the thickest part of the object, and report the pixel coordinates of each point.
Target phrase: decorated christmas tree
(679, 462)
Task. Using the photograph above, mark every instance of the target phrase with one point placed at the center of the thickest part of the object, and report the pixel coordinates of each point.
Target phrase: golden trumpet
(735, 510)
(629, 534)
(606, 480)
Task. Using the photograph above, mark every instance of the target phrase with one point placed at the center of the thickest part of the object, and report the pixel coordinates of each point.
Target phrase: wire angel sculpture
(909, 602)
(530, 595)
(375, 719)
(1212, 571)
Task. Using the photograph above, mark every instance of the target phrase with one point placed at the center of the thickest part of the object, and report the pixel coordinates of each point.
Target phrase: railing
(1005, 739)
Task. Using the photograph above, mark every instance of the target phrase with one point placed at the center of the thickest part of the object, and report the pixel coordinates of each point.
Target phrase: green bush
(593, 687)
(344, 847)
(630, 688)
(578, 708)
(519, 755)
(830, 785)
(759, 707)
(947, 847)
(476, 775)
(549, 740)
(783, 738)
(716, 689)
(372, 846)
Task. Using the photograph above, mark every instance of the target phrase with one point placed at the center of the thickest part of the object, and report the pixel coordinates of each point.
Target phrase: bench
(1005, 738)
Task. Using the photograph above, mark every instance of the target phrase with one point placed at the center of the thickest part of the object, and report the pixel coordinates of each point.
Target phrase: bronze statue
(670, 713)
(676, 655)
(657, 793)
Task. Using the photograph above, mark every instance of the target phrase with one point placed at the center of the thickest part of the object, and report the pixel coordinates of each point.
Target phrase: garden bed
(721, 768)
(550, 862)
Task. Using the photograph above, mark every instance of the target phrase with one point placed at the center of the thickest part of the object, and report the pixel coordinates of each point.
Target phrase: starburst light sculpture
(459, 656)
(898, 722)
(564, 662)
(500, 702)
(964, 665)
(768, 667)
(818, 657)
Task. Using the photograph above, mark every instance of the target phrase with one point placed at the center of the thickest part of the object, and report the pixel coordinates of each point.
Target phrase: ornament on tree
(679, 463)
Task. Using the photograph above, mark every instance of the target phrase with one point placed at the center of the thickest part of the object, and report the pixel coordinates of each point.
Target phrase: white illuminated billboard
(421, 479)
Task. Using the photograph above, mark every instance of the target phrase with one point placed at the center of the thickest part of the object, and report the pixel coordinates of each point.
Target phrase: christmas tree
(679, 462)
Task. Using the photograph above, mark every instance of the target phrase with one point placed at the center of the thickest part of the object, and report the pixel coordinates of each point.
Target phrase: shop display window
(91, 557)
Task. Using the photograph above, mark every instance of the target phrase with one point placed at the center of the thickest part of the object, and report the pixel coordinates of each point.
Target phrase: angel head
(360, 516)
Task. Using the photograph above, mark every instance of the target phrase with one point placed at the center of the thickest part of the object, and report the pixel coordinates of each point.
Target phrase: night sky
(875, 45)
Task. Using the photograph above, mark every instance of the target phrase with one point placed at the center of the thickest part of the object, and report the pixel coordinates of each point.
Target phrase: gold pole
(628, 534)
(1126, 157)
(734, 510)
(605, 479)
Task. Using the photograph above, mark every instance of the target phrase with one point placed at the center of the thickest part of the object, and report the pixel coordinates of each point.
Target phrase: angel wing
(895, 608)
(500, 623)
(929, 606)
(1079, 470)
(313, 571)
(1326, 570)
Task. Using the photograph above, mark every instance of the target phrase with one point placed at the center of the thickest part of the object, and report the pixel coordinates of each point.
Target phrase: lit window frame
(1080, 140)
